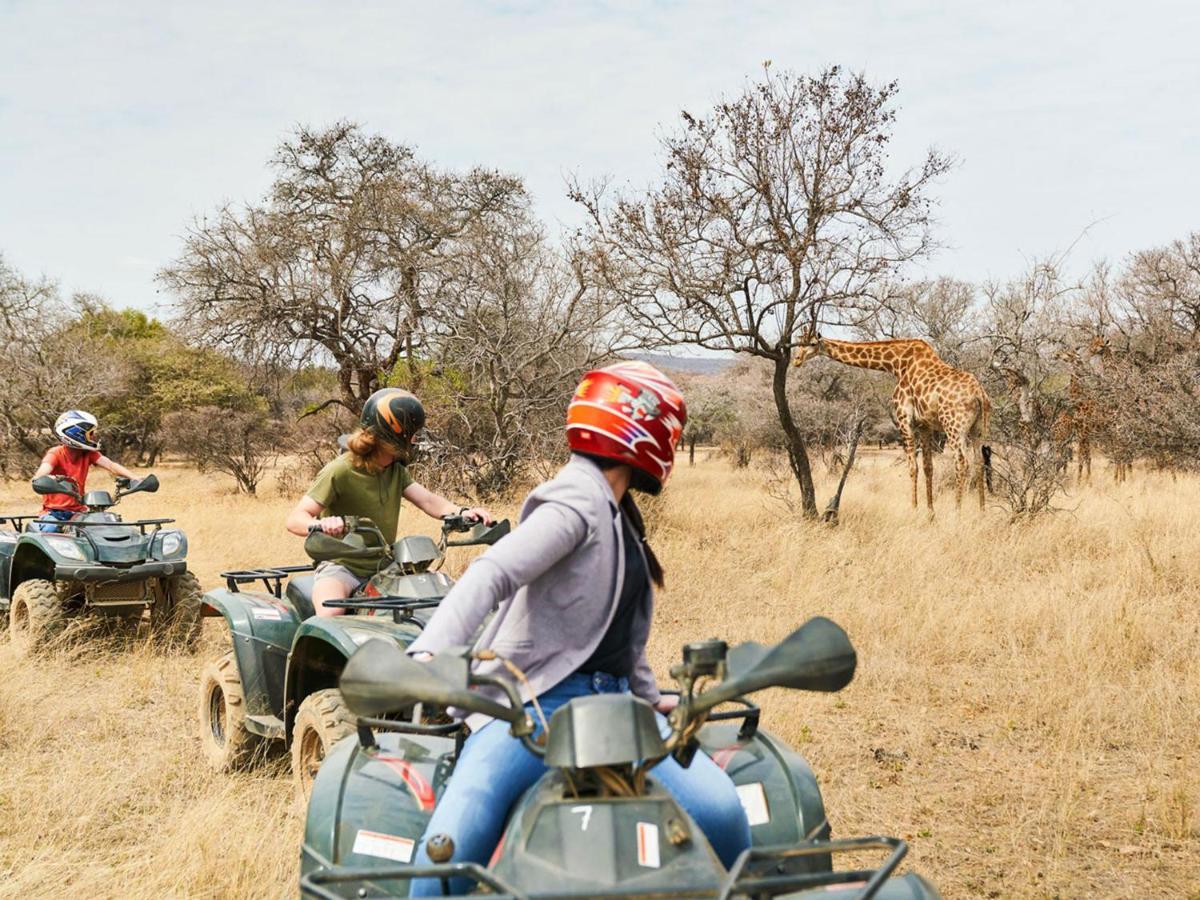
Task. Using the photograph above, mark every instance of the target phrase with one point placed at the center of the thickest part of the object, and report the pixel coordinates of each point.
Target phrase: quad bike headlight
(171, 543)
(66, 547)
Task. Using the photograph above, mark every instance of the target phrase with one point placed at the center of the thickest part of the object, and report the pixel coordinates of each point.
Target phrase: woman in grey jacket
(573, 600)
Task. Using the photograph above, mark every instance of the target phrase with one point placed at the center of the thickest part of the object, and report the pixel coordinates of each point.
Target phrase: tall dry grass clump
(1024, 711)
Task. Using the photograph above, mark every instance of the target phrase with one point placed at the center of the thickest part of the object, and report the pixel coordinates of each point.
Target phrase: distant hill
(693, 365)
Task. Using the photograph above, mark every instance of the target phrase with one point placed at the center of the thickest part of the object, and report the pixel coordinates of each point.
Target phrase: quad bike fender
(320, 649)
(261, 629)
(8, 546)
(34, 557)
(369, 806)
(777, 787)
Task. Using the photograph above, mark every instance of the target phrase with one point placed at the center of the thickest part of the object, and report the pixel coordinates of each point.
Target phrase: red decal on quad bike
(421, 789)
(496, 853)
(725, 755)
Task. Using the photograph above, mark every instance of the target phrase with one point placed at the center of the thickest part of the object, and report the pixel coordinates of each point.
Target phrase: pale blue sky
(121, 121)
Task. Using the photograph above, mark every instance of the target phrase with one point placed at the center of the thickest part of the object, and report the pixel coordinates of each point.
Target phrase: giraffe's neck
(886, 356)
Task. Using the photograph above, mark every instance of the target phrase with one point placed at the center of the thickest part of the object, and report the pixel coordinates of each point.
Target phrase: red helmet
(629, 412)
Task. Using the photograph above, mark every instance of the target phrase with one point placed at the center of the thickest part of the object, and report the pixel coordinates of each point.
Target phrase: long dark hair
(630, 508)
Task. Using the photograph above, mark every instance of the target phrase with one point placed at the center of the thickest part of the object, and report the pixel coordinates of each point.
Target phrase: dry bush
(241, 443)
(1023, 714)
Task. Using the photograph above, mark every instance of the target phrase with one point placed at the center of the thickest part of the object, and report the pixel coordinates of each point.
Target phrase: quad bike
(597, 824)
(96, 564)
(278, 683)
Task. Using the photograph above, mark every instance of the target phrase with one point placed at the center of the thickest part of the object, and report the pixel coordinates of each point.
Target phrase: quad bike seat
(299, 592)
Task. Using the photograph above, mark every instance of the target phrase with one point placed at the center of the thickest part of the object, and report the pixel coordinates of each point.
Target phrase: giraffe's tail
(979, 432)
(983, 415)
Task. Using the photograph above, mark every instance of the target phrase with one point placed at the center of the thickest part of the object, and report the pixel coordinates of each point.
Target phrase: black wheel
(227, 745)
(177, 622)
(35, 616)
(321, 722)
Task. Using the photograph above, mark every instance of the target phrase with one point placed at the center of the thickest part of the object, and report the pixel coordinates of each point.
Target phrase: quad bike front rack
(142, 524)
(17, 521)
(741, 883)
(354, 881)
(272, 577)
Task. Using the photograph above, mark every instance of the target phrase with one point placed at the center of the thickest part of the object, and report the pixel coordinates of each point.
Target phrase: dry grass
(1025, 711)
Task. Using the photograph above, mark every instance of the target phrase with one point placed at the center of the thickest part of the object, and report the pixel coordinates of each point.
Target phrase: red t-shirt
(74, 464)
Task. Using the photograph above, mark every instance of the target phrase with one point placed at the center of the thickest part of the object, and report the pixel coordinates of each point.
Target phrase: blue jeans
(62, 515)
(495, 769)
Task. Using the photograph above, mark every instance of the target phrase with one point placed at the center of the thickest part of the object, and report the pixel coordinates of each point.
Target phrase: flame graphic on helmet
(384, 405)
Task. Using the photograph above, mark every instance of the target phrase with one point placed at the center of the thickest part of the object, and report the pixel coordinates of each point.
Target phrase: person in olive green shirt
(369, 480)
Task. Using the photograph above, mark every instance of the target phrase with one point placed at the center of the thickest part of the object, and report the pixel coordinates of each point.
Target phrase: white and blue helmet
(77, 429)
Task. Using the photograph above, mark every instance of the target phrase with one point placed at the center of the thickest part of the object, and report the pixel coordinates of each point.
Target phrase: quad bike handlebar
(371, 543)
(64, 484)
(380, 679)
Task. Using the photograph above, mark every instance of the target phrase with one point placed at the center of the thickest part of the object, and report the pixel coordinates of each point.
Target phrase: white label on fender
(267, 614)
(754, 802)
(387, 846)
(647, 837)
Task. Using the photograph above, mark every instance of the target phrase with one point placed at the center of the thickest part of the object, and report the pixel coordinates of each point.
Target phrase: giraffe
(931, 396)
(1077, 423)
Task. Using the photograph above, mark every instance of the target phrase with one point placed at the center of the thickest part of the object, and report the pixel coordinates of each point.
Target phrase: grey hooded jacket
(554, 584)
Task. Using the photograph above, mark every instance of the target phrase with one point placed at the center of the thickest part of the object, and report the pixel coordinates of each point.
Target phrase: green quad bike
(597, 824)
(278, 683)
(98, 565)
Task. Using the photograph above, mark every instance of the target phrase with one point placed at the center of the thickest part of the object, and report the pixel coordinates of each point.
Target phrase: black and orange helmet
(394, 416)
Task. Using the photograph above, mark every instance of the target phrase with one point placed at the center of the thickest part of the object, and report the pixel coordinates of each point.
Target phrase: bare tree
(1025, 323)
(942, 311)
(48, 368)
(517, 329)
(774, 209)
(341, 262)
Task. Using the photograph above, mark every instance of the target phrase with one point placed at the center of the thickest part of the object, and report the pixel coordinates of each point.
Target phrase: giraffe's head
(807, 348)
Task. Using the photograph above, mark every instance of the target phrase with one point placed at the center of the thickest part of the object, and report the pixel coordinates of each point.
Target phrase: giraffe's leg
(977, 462)
(927, 465)
(910, 453)
(962, 468)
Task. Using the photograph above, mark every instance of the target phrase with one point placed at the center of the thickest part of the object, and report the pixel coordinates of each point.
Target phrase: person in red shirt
(78, 452)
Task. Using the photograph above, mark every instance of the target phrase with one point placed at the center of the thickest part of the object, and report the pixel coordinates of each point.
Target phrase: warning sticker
(273, 614)
(385, 846)
(754, 802)
(647, 841)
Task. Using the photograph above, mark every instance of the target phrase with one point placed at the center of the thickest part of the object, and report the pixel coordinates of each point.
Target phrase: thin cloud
(119, 124)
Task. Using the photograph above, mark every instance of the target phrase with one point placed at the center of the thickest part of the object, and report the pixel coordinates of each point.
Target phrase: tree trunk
(833, 508)
(692, 452)
(797, 453)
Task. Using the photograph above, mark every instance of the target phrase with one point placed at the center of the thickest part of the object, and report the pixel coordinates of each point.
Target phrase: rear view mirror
(321, 547)
(380, 678)
(149, 485)
(816, 657)
(483, 534)
(49, 484)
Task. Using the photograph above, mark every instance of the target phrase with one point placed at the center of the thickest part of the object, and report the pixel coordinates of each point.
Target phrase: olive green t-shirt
(346, 491)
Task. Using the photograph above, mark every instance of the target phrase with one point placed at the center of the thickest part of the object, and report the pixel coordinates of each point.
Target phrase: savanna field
(1026, 711)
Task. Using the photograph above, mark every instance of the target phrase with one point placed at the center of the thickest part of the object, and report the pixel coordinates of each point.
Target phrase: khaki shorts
(340, 574)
